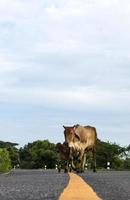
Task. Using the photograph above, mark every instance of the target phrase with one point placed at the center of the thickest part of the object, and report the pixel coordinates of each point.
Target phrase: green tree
(38, 154)
(109, 152)
(127, 163)
(5, 162)
(13, 152)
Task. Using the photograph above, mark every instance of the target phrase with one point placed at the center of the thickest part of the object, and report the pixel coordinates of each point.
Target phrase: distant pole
(108, 165)
(86, 166)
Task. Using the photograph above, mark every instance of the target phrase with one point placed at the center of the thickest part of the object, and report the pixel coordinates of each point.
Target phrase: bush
(5, 162)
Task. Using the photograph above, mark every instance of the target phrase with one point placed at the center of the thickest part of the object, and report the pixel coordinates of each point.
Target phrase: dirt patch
(78, 189)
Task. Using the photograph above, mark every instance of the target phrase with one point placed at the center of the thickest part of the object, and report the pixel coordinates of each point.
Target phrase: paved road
(32, 185)
(47, 185)
(109, 185)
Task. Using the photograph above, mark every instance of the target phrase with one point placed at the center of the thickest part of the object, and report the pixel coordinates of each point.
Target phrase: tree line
(41, 153)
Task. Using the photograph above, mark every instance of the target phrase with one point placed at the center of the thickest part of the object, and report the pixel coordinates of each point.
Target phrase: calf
(63, 154)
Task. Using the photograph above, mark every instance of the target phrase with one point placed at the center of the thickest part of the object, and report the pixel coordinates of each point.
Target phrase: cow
(63, 157)
(81, 139)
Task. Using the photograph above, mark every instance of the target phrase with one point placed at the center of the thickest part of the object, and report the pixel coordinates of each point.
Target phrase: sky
(64, 62)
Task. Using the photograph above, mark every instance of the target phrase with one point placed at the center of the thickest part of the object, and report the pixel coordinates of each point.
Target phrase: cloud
(69, 59)
(85, 99)
(6, 65)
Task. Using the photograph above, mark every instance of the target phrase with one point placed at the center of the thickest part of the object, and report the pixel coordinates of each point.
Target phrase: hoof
(79, 171)
(70, 170)
(65, 171)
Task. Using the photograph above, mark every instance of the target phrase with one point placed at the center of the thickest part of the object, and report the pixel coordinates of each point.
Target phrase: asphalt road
(32, 185)
(47, 185)
(111, 185)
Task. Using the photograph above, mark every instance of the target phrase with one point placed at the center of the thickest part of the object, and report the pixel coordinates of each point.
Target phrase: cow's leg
(71, 153)
(73, 166)
(94, 159)
(83, 162)
(70, 167)
(66, 167)
(59, 167)
(81, 155)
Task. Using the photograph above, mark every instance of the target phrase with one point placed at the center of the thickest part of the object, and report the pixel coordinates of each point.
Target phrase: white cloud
(17, 9)
(68, 55)
(6, 62)
(77, 98)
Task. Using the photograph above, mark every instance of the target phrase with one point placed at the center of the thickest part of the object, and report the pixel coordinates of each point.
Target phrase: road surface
(110, 185)
(48, 184)
(32, 185)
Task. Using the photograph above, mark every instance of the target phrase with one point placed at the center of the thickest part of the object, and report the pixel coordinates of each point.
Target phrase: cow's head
(69, 134)
(62, 148)
(63, 151)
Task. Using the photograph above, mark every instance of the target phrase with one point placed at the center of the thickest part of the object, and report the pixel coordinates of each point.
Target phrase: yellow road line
(78, 189)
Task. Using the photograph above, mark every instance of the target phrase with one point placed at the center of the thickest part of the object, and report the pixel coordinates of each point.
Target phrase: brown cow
(63, 155)
(81, 139)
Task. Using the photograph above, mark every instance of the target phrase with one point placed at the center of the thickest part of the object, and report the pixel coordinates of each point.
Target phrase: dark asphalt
(47, 185)
(32, 185)
(112, 185)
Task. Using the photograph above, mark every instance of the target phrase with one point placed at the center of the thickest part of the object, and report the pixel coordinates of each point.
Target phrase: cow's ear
(64, 127)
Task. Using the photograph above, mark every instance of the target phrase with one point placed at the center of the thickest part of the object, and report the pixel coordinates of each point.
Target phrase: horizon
(63, 63)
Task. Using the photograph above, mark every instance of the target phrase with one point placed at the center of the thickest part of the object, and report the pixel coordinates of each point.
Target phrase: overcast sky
(64, 62)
